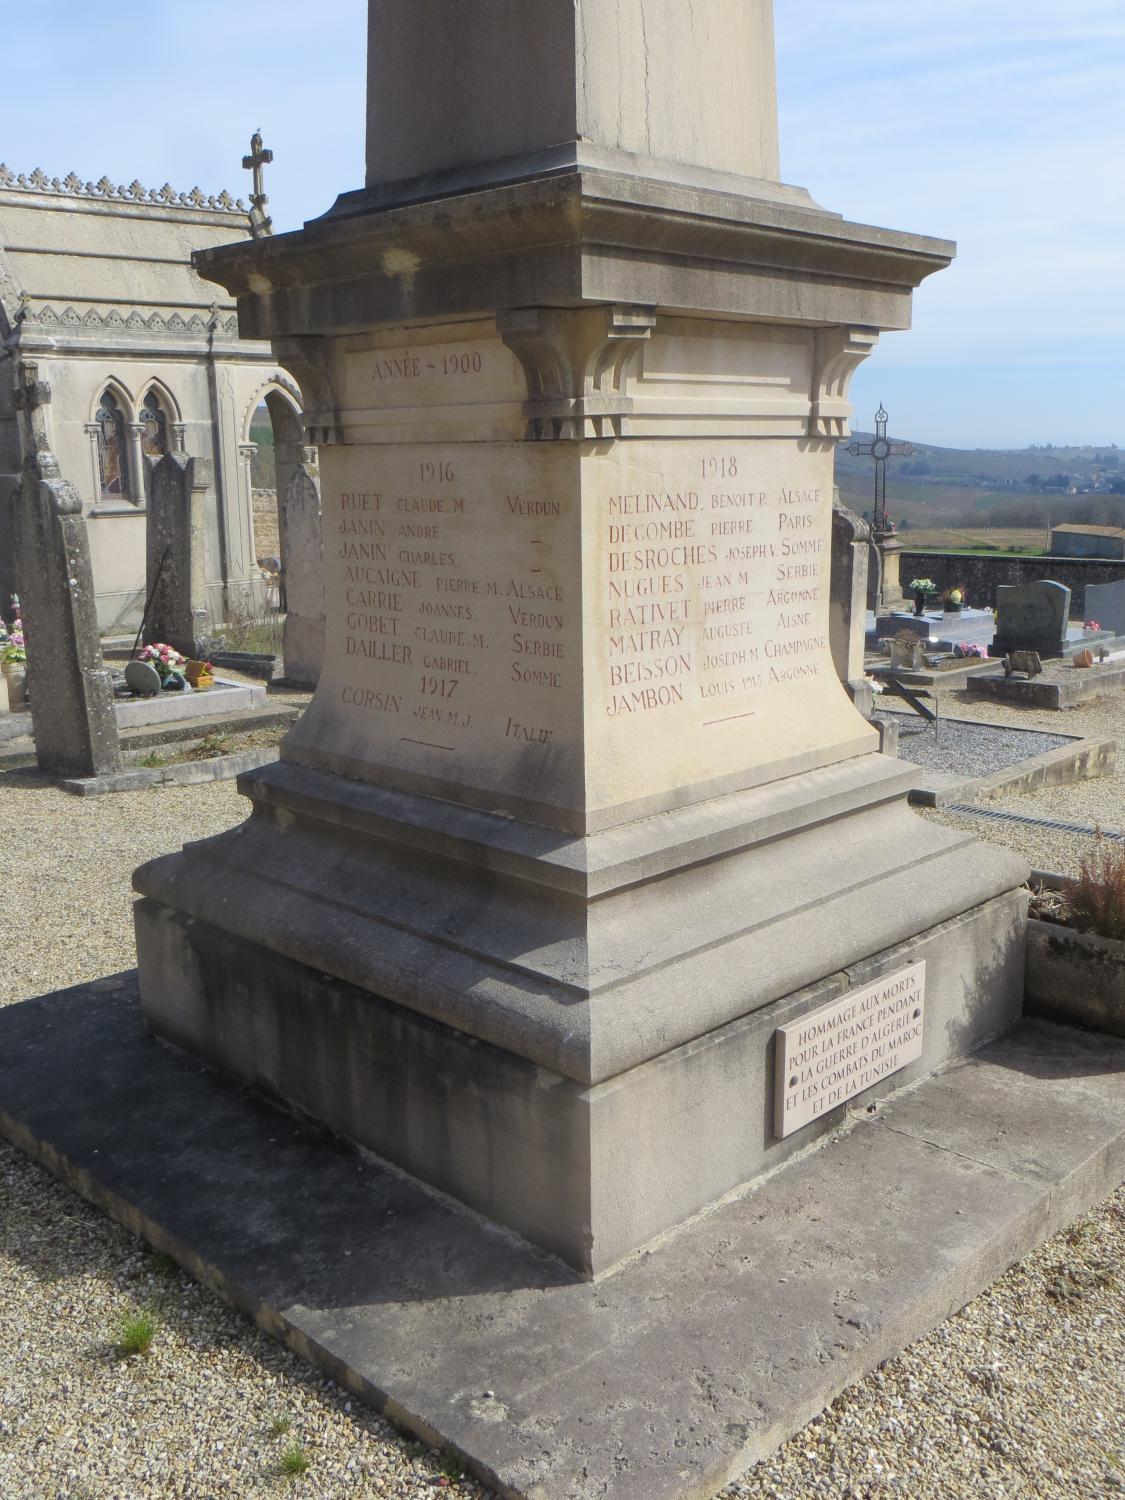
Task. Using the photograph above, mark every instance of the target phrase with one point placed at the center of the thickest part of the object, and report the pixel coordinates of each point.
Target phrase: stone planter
(15, 679)
(1075, 977)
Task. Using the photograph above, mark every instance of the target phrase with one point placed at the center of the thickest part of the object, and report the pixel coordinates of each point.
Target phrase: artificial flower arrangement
(963, 650)
(923, 586)
(13, 648)
(1090, 625)
(953, 599)
(167, 661)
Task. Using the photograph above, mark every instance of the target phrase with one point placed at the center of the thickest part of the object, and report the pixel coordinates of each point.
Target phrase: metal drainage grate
(1003, 816)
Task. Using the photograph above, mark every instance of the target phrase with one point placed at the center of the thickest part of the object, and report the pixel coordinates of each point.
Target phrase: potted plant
(13, 661)
(922, 589)
(201, 674)
(953, 600)
(1076, 943)
(169, 666)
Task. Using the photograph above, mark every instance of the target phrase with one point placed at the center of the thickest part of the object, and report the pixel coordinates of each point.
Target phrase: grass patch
(278, 1426)
(154, 761)
(294, 1461)
(135, 1334)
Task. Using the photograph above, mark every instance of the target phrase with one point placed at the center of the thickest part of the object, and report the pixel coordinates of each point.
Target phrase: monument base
(546, 1027)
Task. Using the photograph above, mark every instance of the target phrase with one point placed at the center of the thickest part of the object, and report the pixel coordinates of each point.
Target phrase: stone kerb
(175, 555)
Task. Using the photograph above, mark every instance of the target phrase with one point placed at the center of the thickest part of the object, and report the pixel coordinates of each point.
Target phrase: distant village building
(1088, 541)
(143, 358)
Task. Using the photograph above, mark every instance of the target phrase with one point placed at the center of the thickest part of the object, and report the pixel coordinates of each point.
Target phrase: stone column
(580, 813)
(136, 463)
(303, 561)
(175, 553)
(70, 688)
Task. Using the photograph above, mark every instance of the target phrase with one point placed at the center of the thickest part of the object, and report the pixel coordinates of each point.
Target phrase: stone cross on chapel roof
(260, 157)
(880, 449)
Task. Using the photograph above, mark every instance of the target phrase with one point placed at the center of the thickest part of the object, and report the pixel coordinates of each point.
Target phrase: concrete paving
(661, 1380)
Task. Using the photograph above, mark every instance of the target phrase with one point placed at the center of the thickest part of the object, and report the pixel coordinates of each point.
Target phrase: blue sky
(998, 124)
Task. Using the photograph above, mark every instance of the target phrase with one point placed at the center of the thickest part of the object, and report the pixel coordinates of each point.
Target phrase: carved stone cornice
(577, 362)
(838, 354)
(123, 320)
(72, 186)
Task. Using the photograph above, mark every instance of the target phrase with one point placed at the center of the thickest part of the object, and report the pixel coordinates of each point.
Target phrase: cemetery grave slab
(224, 698)
(1061, 685)
(660, 1381)
(962, 760)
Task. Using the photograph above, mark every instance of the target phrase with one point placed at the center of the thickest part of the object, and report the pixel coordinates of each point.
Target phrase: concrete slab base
(225, 697)
(660, 1381)
(1076, 685)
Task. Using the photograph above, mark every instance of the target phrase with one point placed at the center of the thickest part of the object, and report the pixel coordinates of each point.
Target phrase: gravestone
(176, 553)
(303, 639)
(580, 814)
(1031, 617)
(1105, 602)
(906, 652)
(848, 600)
(70, 688)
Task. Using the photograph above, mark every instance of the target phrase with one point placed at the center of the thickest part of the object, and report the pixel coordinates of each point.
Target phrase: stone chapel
(143, 358)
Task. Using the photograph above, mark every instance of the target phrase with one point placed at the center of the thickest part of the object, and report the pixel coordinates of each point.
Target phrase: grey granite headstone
(71, 688)
(1031, 617)
(178, 612)
(1105, 602)
(303, 641)
(143, 678)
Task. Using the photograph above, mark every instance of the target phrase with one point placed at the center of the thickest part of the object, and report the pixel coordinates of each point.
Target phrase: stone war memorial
(581, 900)
(545, 849)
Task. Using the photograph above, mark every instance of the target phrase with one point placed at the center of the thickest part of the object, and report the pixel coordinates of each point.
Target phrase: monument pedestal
(547, 1026)
(891, 596)
(581, 835)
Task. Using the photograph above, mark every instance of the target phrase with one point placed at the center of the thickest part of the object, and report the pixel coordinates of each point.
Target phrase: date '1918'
(720, 468)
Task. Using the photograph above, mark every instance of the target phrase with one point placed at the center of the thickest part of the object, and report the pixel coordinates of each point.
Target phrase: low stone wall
(983, 572)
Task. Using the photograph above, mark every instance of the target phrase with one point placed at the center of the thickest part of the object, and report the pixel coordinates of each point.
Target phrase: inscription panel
(707, 574)
(834, 1053)
(453, 637)
(579, 633)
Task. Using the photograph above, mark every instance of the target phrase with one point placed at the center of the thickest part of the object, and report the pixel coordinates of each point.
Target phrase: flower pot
(919, 602)
(1075, 977)
(1084, 658)
(15, 677)
(953, 609)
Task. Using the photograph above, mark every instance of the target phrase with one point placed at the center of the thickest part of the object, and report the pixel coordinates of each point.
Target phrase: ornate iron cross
(260, 156)
(880, 449)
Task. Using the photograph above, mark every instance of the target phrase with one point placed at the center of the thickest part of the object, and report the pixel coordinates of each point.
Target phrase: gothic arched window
(113, 462)
(154, 420)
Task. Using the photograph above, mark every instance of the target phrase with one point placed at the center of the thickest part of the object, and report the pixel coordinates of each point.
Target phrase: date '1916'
(434, 472)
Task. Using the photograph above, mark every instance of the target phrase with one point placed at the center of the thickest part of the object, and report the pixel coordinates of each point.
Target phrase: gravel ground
(1099, 803)
(1019, 1395)
(971, 749)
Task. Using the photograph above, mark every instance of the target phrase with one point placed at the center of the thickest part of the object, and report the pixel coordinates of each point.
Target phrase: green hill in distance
(982, 498)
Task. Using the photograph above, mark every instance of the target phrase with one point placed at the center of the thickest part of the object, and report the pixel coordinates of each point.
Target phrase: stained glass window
(112, 460)
(155, 423)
